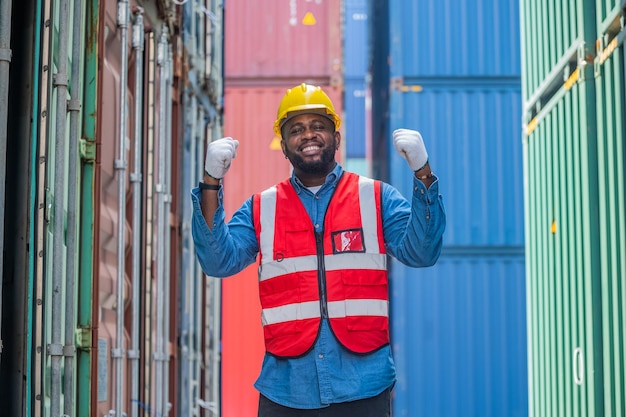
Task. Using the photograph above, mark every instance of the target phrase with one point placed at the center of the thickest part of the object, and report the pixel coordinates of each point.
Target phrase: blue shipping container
(458, 328)
(354, 119)
(355, 38)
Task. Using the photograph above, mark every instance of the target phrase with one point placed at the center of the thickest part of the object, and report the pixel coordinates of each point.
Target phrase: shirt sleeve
(414, 231)
(226, 248)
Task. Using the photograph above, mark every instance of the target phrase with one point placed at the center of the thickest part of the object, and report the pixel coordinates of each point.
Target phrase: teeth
(310, 148)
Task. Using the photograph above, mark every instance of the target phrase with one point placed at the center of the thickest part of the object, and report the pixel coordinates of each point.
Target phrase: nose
(309, 132)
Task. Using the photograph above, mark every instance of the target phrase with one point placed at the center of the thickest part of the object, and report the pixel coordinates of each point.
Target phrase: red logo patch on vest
(348, 241)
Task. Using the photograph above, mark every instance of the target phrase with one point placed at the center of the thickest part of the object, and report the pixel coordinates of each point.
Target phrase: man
(322, 239)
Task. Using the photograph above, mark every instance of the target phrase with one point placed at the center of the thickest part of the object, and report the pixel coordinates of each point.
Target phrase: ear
(337, 139)
(282, 146)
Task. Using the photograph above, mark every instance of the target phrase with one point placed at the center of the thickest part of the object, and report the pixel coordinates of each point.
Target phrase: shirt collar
(331, 179)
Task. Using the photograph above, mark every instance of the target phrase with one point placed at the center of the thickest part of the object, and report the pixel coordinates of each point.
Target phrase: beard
(322, 166)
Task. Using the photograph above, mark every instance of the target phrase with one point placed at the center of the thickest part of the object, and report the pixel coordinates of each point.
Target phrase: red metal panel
(249, 114)
(283, 39)
(107, 218)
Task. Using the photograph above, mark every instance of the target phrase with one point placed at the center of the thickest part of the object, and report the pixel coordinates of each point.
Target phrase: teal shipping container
(574, 134)
(452, 71)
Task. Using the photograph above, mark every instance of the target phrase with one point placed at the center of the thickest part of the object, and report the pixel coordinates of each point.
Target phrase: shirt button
(320, 356)
(427, 217)
(317, 197)
(317, 226)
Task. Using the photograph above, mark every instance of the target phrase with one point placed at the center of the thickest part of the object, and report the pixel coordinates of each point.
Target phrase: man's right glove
(219, 154)
(410, 145)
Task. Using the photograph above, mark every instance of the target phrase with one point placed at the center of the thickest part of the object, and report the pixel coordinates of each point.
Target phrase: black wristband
(203, 186)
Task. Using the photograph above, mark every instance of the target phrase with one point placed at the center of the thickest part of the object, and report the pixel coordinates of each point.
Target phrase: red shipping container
(291, 40)
(249, 114)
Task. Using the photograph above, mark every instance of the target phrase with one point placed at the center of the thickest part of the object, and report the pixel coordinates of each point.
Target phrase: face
(310, 142)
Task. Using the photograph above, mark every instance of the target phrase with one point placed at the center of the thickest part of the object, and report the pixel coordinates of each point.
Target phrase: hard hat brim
(306, 109)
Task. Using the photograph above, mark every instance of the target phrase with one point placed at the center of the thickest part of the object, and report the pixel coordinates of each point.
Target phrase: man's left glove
(219, 154)
(410, 145)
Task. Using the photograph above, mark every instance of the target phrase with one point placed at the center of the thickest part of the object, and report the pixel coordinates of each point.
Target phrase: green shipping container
(574, 89)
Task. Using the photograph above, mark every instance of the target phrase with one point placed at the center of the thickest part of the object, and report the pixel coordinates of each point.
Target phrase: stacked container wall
(136, 248)
(269, 46)
(455, 76)
(96, 227)
(356, 43)
(199, 306)
(21, 33)
(574, 113)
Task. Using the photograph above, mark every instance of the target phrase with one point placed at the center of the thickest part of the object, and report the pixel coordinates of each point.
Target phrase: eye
(296, 130)
(319, 128)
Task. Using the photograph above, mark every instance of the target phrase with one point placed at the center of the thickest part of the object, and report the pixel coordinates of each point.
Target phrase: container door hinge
(397, 84)
(87, 150)
(586, 60)
(83, 338)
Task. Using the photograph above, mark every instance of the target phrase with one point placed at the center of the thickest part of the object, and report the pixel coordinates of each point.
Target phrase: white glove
(219, 154)
(410, 145)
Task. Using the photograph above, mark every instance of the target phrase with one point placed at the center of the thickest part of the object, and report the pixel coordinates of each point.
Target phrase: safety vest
(340, 274)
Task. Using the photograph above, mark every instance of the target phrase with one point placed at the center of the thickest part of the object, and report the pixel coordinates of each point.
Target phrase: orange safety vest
(340, 275)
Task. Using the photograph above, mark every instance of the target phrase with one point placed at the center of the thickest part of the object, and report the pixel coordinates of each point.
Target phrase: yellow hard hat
(305, 97)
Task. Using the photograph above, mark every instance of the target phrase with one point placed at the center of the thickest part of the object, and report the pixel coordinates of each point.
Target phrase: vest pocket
(297, 243)
(360, 284)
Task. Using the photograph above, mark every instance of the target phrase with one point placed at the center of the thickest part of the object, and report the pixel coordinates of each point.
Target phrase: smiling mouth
(311, 149)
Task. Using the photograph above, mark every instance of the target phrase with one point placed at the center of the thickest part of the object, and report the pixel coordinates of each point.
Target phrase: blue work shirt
(328, 373)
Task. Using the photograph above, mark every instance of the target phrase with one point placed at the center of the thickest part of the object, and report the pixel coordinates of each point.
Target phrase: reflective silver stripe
(369, 218)
(268, 214)
(332, 263)
(349, 260)
(287, 266)
(340, 309)
(290, 312)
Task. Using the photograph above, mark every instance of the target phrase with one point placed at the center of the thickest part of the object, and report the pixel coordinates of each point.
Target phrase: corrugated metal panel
(611, 116)
(471, 135)
(456, 337)
(553, 32)
(299, 39)
(562, 258)
(606, 10)
(575, 210)
(455, 38)
(353, 122)
(355, 36)
(108, 217)
(459, 86)
(249, 114)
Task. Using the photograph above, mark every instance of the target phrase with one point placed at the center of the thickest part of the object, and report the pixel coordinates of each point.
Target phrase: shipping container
(97, 188)
(353, 120)
(272, 42)
(356, 148)
(459, 327)
(355, 35)
(574, 129)
(456, 335)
